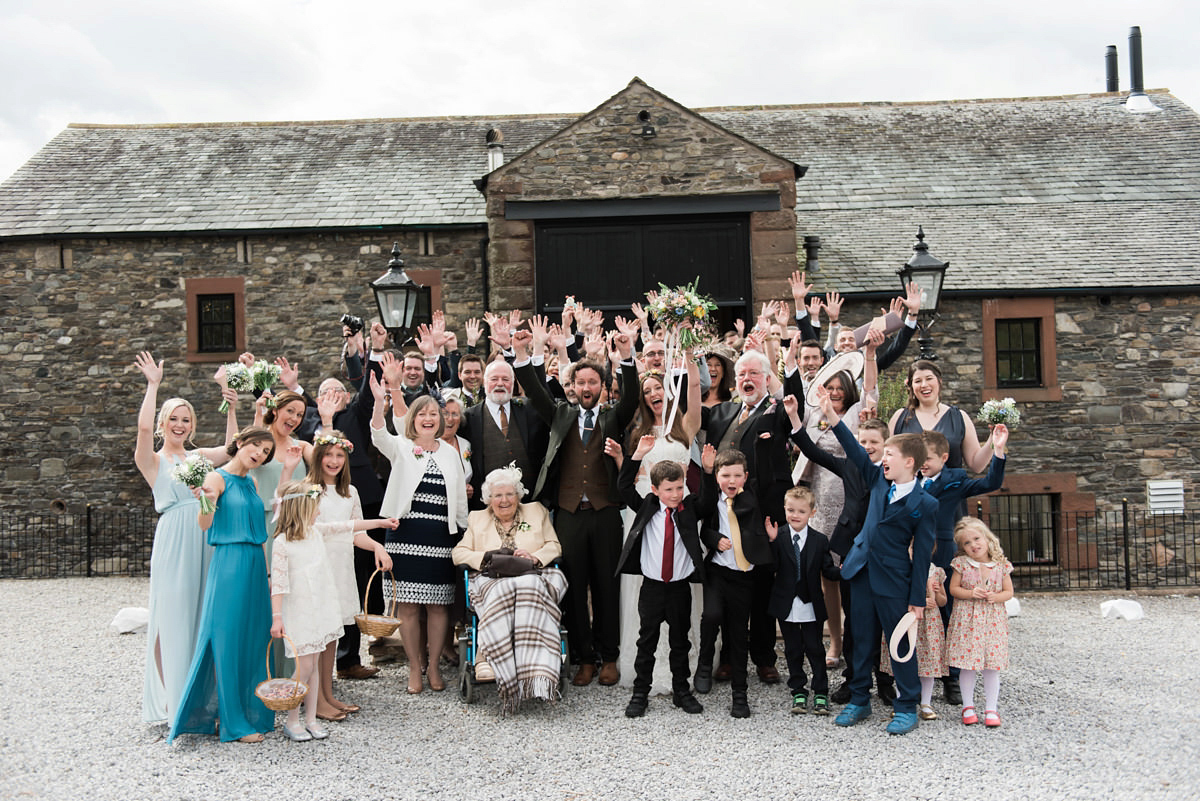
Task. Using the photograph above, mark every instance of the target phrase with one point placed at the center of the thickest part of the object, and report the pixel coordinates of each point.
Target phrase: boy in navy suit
(664, 547)
(951, 486)
(802, 556)
(885, 582)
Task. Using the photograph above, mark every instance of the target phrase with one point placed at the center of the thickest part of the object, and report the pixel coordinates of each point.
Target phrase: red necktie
(668, 560)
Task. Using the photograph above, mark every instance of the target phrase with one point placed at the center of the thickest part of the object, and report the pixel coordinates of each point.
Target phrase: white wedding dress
(664, 449)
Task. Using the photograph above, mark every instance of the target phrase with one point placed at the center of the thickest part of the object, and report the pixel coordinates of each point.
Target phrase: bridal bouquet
(679, 309)
(1004, 411)
(191, 472)
(263, 376)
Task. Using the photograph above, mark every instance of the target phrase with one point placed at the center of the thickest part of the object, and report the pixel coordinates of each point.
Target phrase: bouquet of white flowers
(263, 375)
(237, 378)
(191, 472)
(1000, 411)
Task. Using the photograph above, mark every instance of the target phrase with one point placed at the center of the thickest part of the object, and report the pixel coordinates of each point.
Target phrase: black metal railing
(100, 541)
(1050, 549)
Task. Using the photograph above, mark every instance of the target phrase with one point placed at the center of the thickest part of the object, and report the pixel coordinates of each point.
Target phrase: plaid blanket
(518, 633)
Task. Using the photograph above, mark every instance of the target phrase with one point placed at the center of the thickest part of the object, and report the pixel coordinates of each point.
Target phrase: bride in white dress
(675, 446)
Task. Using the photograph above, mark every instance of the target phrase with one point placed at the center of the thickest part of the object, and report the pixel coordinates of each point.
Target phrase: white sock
(991, 689)
(966, 685)
(926, 690)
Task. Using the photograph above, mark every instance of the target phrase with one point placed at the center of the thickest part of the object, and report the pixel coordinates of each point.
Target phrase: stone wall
(76, 314)
(1129, 368)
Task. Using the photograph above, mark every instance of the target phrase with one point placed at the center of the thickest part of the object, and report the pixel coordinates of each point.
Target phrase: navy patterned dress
(420, 546)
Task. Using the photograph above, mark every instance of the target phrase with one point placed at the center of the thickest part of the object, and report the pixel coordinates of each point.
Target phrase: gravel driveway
(1092, 708)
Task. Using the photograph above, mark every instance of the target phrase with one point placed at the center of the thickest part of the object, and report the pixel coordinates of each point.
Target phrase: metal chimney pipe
(1110, 70)
(812, 245)
(1135, 60)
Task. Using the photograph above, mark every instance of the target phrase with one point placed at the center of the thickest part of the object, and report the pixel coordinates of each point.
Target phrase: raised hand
(151, 370)
(474, 331)
(291, 456)
(739, 325)
(289, 375)
(800, 288)
(874, 340)
(377, 390)
(354, 341)
(644, 446)
(624, 344)
(556, 339)
(501, 332)
(393, 370)
(792, 407)
(640, 313)
(814, 310)
(827, 405)
(628, 327)
(833, 306)
(327, 407)
(521, 342)
(912, 298)
(772, 529)
(538, 326)
(426, 341)
(247, 359)
(379, 337)
(708, 457)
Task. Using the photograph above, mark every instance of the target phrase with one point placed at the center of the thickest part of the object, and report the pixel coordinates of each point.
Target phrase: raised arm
(143, 450)
(535, 388)
(695, 397)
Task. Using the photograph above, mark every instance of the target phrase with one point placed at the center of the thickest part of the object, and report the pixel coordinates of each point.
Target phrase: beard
(499, 396)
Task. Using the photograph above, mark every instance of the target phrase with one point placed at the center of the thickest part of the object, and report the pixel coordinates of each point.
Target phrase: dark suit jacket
(854, 490)
(687, 524)
(533, 436)
(889, 529)
(755, 545)
(815, 563)
(562, 417)
(952, 487)
(766, 456)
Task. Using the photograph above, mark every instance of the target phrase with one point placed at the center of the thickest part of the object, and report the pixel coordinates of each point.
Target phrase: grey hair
(502, 477)
(754, 356)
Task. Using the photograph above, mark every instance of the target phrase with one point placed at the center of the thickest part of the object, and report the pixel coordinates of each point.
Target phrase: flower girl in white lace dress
(303, 593)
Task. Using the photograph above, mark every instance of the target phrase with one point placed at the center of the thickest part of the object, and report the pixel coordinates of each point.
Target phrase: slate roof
(1117, 195)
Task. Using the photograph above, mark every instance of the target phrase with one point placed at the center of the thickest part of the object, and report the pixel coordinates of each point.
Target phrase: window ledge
(1023, 394)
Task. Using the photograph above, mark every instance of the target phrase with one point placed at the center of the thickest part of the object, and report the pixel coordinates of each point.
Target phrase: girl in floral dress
(977, 639)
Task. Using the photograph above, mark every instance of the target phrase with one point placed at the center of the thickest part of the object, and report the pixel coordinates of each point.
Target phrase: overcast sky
(145, 61)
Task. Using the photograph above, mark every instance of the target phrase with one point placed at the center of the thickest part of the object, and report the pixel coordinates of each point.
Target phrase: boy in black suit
(664, 547)
(801, 557)
(736, 540)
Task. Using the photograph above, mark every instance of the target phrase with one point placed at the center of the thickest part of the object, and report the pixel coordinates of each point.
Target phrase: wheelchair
(467, 683)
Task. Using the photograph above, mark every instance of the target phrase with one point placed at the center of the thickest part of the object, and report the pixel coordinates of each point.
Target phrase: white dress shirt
(652, 550)
(801, 612)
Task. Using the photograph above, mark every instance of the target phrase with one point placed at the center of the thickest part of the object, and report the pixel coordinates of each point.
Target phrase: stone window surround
(1041, 309)
(233, 285)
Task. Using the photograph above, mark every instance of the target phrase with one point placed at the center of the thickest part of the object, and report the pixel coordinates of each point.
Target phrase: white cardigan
(406, 475)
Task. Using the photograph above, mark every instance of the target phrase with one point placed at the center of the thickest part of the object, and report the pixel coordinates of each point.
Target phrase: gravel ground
(1092, 708)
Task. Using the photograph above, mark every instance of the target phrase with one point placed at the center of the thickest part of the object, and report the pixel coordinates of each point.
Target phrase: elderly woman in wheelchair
(514, 593)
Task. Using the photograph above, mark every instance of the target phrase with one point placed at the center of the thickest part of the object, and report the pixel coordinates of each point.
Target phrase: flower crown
(341, 442)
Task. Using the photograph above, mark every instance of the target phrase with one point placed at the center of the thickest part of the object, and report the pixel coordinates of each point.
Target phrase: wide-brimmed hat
(851, 362)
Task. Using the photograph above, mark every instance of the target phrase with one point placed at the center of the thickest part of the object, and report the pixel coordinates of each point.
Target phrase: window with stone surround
(1020, 359)
(216, 319)
(1027, 526)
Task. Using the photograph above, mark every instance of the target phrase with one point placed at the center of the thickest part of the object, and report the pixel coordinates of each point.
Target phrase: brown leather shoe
(358, 672)
(724, 672)
(609, 675)
(585, 675)
(768, 674)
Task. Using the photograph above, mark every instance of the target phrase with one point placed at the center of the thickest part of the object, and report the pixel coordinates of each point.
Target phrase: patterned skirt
(420, 546)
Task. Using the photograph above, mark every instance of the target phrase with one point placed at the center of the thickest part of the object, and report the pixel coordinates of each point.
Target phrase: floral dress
(931, 640)
(978, 635)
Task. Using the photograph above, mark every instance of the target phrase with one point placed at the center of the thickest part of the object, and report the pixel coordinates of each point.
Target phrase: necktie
(928, 481)
(796, 546)
(589, 419)
(668, 557)
(745, 415)
(735, 534)
(503, 422)
(892, 494)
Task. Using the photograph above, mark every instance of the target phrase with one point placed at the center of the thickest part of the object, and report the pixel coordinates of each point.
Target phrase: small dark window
(217, 323)
(1026, 526)
(1019, 353)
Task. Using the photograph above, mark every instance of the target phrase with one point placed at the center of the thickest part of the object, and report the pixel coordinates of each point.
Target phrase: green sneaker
(820, 705)
(800, 703)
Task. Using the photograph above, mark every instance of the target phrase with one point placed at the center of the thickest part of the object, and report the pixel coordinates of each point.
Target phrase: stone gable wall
(74, 319)
(602, 157)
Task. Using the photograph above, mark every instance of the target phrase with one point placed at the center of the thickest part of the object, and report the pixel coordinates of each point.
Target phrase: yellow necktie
(503, 422)
(735, 534)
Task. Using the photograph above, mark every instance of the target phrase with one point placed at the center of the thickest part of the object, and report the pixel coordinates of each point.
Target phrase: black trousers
(802, 640)
(762, 622)
(727, 599)
(659, 602)
(364, 565)
(591, 548)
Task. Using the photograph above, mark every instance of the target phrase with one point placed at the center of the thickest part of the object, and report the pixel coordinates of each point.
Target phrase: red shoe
(991, 719)
(969, 717)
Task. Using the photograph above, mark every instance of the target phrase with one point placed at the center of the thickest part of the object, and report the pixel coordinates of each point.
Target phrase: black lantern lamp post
(928, 272)
(403, 303)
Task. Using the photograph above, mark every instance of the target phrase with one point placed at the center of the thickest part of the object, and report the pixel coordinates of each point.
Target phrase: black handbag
(501, 563)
